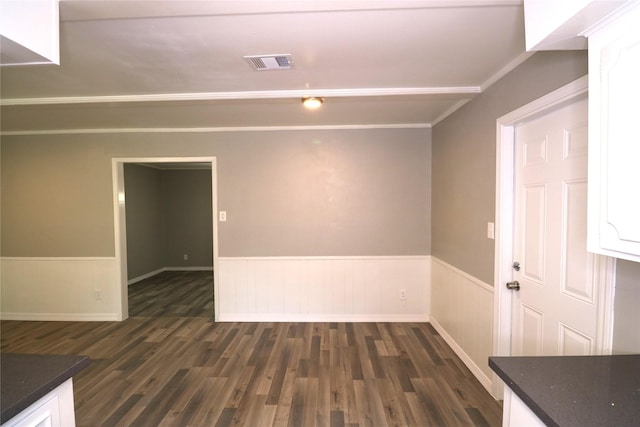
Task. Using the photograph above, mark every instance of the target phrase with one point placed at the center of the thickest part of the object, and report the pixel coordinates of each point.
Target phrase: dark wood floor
(173, 294)
(190, 371)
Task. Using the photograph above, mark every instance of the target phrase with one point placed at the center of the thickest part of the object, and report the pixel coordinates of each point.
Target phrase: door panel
(573, 342)
(532, 322)
(576, 280)
(555, 311)
(534, 229)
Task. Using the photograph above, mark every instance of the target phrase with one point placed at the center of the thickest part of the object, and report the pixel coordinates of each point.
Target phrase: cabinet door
(516, 413)
(55, 409)
(614, 137)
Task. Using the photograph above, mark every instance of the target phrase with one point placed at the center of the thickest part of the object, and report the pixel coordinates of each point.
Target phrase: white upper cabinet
(561, 24)
(614, 136)
(612, 30)
(29, 32)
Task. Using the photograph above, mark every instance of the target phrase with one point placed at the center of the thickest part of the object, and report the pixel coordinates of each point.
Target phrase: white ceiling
(134, 64)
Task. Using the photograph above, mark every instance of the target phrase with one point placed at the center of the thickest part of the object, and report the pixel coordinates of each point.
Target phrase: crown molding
(450, 111)
(213, 129)
(245, 95)
(490, 81)
(108, 10)
(505, 70)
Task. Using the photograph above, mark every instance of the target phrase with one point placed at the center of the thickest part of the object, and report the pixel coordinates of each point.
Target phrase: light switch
(491, 230)
(222, 215)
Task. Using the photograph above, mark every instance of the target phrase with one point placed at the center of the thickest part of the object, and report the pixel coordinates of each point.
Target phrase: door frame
(120, 226)
(504, 227)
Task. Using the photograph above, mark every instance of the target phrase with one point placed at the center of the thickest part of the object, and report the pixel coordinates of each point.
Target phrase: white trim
(120, 223)
(56, 259)
(484, 86)
(473, 367)
(61, 317)
(246, 95)
(120, 237)
(450, 111)
(315, 317)
(266, 7)
(505, 140)
(606, 271)
(565, 95)
(322, 258)
(462, 312)
(145, 276)
(506, 70)
(253, 95)
(465, 275)
(611, 17)
(194, 268)
(215, 129)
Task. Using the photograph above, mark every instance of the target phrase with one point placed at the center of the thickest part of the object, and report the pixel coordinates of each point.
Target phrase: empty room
(319, 213)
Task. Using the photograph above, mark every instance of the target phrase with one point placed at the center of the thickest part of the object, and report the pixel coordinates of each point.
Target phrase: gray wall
(188, 218)
(145, 220)
(626, 329)
(463, 190)
(289, 193)
(464, 160)
(168, 215)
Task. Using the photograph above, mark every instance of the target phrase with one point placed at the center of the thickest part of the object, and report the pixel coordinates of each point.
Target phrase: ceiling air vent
(270, 62)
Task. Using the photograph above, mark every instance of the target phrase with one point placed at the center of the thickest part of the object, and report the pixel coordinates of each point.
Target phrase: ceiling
(137, 65)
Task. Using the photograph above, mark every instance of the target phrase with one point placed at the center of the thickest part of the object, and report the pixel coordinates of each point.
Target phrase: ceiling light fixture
(312, 102)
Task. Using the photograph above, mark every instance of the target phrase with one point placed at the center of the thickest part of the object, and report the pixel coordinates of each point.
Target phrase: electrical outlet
(185, 257)
(403, 294)
(97, 294)
(222, 216)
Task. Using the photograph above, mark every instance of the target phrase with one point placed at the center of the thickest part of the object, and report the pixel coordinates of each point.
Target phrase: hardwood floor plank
(283, 410)
(337, 419)
(278, 376)
(116, 417)
(310, 407)
(190, 371)
(226, 419)
(323, 413)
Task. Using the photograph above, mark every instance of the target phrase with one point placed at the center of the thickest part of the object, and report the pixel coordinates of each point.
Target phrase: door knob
(515, 286)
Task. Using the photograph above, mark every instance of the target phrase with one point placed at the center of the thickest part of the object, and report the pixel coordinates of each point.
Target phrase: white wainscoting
(62, 289)
(462, 312)
(321, 289)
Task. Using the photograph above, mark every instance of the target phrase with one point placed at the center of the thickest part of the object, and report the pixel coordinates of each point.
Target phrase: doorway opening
(120, 226)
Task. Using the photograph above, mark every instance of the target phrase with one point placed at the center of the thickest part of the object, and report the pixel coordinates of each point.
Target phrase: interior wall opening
(166, 236)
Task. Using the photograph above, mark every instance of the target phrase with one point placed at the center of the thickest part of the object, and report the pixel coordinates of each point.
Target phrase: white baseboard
(320, 318)
(475, 369)
(144, 276)
(203, 268)
(462, 312)
(319, 289)
(61, 317)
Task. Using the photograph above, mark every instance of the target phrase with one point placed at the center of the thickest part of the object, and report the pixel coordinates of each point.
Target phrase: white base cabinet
(515, 413)
(55, 409)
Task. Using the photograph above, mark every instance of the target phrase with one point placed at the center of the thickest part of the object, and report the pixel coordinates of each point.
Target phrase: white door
(555, 311)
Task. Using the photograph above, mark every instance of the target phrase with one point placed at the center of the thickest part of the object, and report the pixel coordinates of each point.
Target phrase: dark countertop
(25, 378)
(576, 390)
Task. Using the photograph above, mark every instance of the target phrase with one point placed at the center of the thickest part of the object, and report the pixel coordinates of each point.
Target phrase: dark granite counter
(576, 390)
(25, 378)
